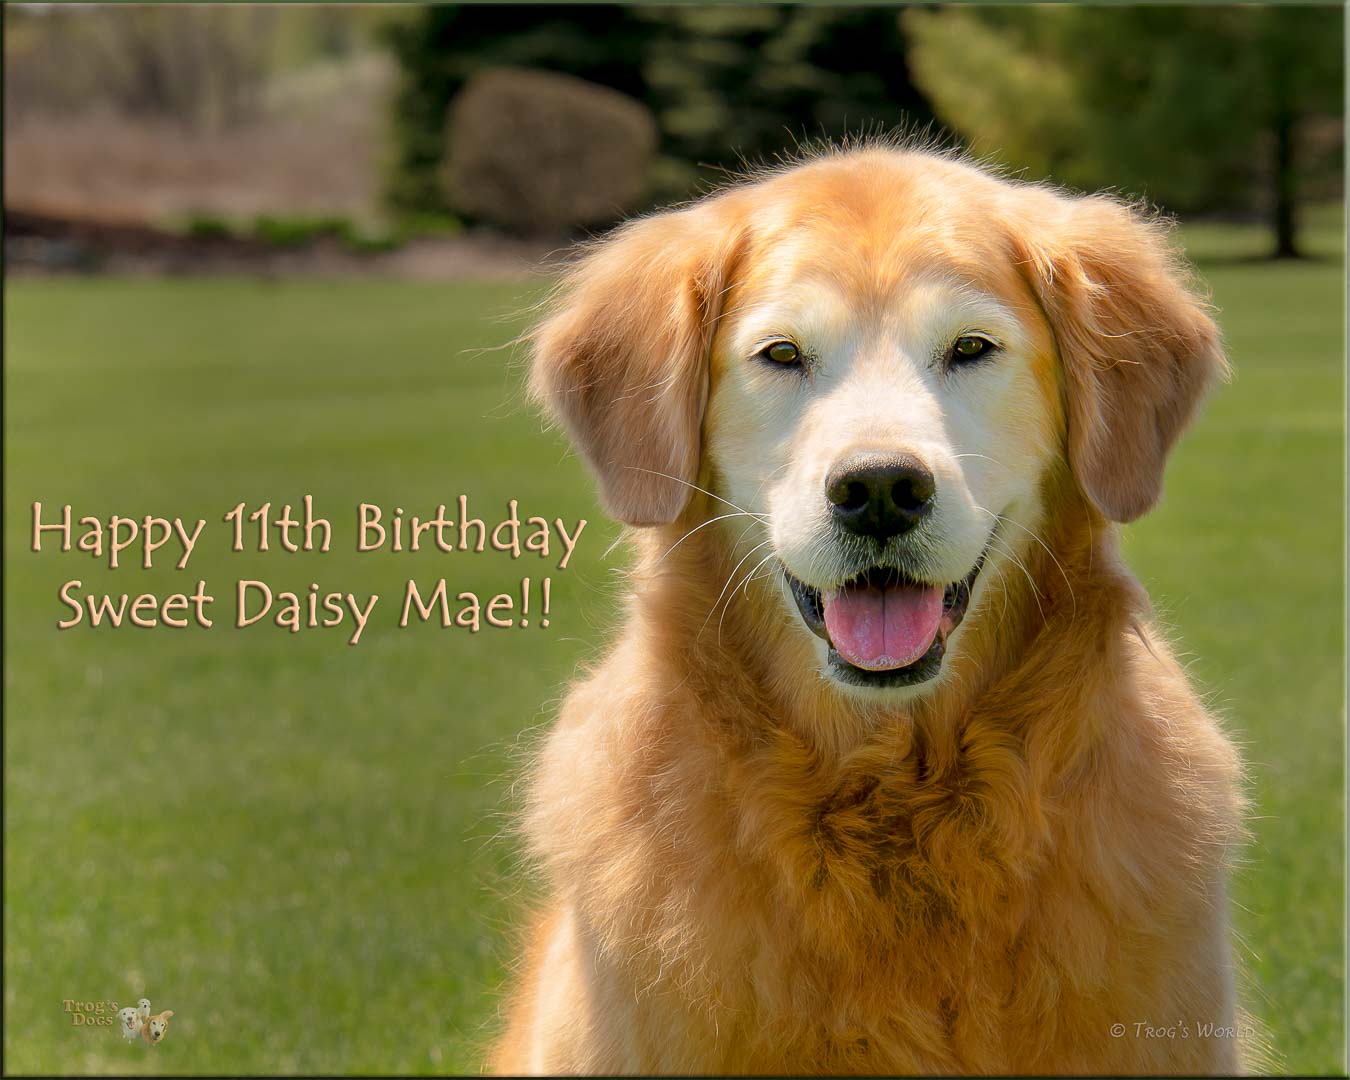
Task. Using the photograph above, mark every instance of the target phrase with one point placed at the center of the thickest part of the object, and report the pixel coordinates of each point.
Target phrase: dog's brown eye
(970, 347)
(782, 352)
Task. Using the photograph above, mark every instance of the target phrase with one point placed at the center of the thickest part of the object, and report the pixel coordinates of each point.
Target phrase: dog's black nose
(880, 495)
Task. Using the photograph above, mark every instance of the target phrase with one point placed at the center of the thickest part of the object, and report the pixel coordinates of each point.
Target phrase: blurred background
(257, 252)
(367, 128)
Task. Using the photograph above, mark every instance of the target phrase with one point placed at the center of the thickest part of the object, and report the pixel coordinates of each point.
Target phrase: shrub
(727, 83)
(422, 224)
(538, 152)
(297, 232)
(440, 46)
(361, 242)
(207, 226)
(288, 232)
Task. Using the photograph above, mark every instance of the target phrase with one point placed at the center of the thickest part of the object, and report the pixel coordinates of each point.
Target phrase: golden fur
(156, 1027)
(751, 871)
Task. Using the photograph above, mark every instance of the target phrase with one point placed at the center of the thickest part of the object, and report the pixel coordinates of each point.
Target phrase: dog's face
(888, 408)
(158, 1025)
(144, 1006)
(877, 361)
(129, 1019)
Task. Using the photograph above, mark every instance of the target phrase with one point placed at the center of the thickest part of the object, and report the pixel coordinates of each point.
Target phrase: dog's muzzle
(883, 627)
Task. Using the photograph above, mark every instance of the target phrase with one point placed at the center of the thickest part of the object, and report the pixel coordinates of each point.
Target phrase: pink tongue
(882, 629)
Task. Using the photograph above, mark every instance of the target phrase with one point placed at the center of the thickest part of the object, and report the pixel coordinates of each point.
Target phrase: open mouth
(884, 628)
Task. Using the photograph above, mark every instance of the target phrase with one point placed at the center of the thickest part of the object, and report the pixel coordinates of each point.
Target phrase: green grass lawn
(300, 846)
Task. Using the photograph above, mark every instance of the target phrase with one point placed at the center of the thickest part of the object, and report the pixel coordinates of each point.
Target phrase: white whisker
(1035, 592)
(1046, 547)
(730, 578)
(705, 524)
(705, 491)
(741, 587)
(986, 457)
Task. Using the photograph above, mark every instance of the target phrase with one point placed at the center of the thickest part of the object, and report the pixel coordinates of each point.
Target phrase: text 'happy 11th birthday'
(122, 543)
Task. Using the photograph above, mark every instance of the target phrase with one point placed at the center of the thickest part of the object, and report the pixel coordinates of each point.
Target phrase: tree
(439, 50)
(737, 85)
(1300, 53)
(1196, 108)
(727, 84)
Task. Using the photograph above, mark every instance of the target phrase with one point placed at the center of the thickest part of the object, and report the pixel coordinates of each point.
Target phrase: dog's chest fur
(873, 917)
(891, 926)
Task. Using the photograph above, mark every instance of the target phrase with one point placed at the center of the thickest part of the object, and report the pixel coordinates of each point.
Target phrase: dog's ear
(1137, 345)
(622, 361)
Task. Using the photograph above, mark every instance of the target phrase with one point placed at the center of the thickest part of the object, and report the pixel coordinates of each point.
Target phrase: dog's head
(129, 1018)
(158, 1025)
(883, 358)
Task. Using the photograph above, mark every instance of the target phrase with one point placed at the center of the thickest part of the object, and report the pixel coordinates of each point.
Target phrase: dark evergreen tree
(727, 84)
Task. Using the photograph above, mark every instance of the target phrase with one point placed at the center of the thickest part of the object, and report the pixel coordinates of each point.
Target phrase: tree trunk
(1286, 181)
(1286, 226)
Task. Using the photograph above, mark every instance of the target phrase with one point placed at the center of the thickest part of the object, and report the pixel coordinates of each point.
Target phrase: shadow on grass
(1257, 259)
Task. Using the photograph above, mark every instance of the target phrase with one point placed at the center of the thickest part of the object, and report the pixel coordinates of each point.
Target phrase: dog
(153, 1030)
(890, 770)
(129, 1021)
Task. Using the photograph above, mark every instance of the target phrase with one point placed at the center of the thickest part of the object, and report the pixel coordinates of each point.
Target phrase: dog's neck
(726, 634)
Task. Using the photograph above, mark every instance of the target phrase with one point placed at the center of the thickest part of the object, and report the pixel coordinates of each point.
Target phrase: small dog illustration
(129, 1021)
(143, 1010)
(152, 1031)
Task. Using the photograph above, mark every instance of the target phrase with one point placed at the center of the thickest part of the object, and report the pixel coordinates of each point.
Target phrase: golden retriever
(888, 770)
